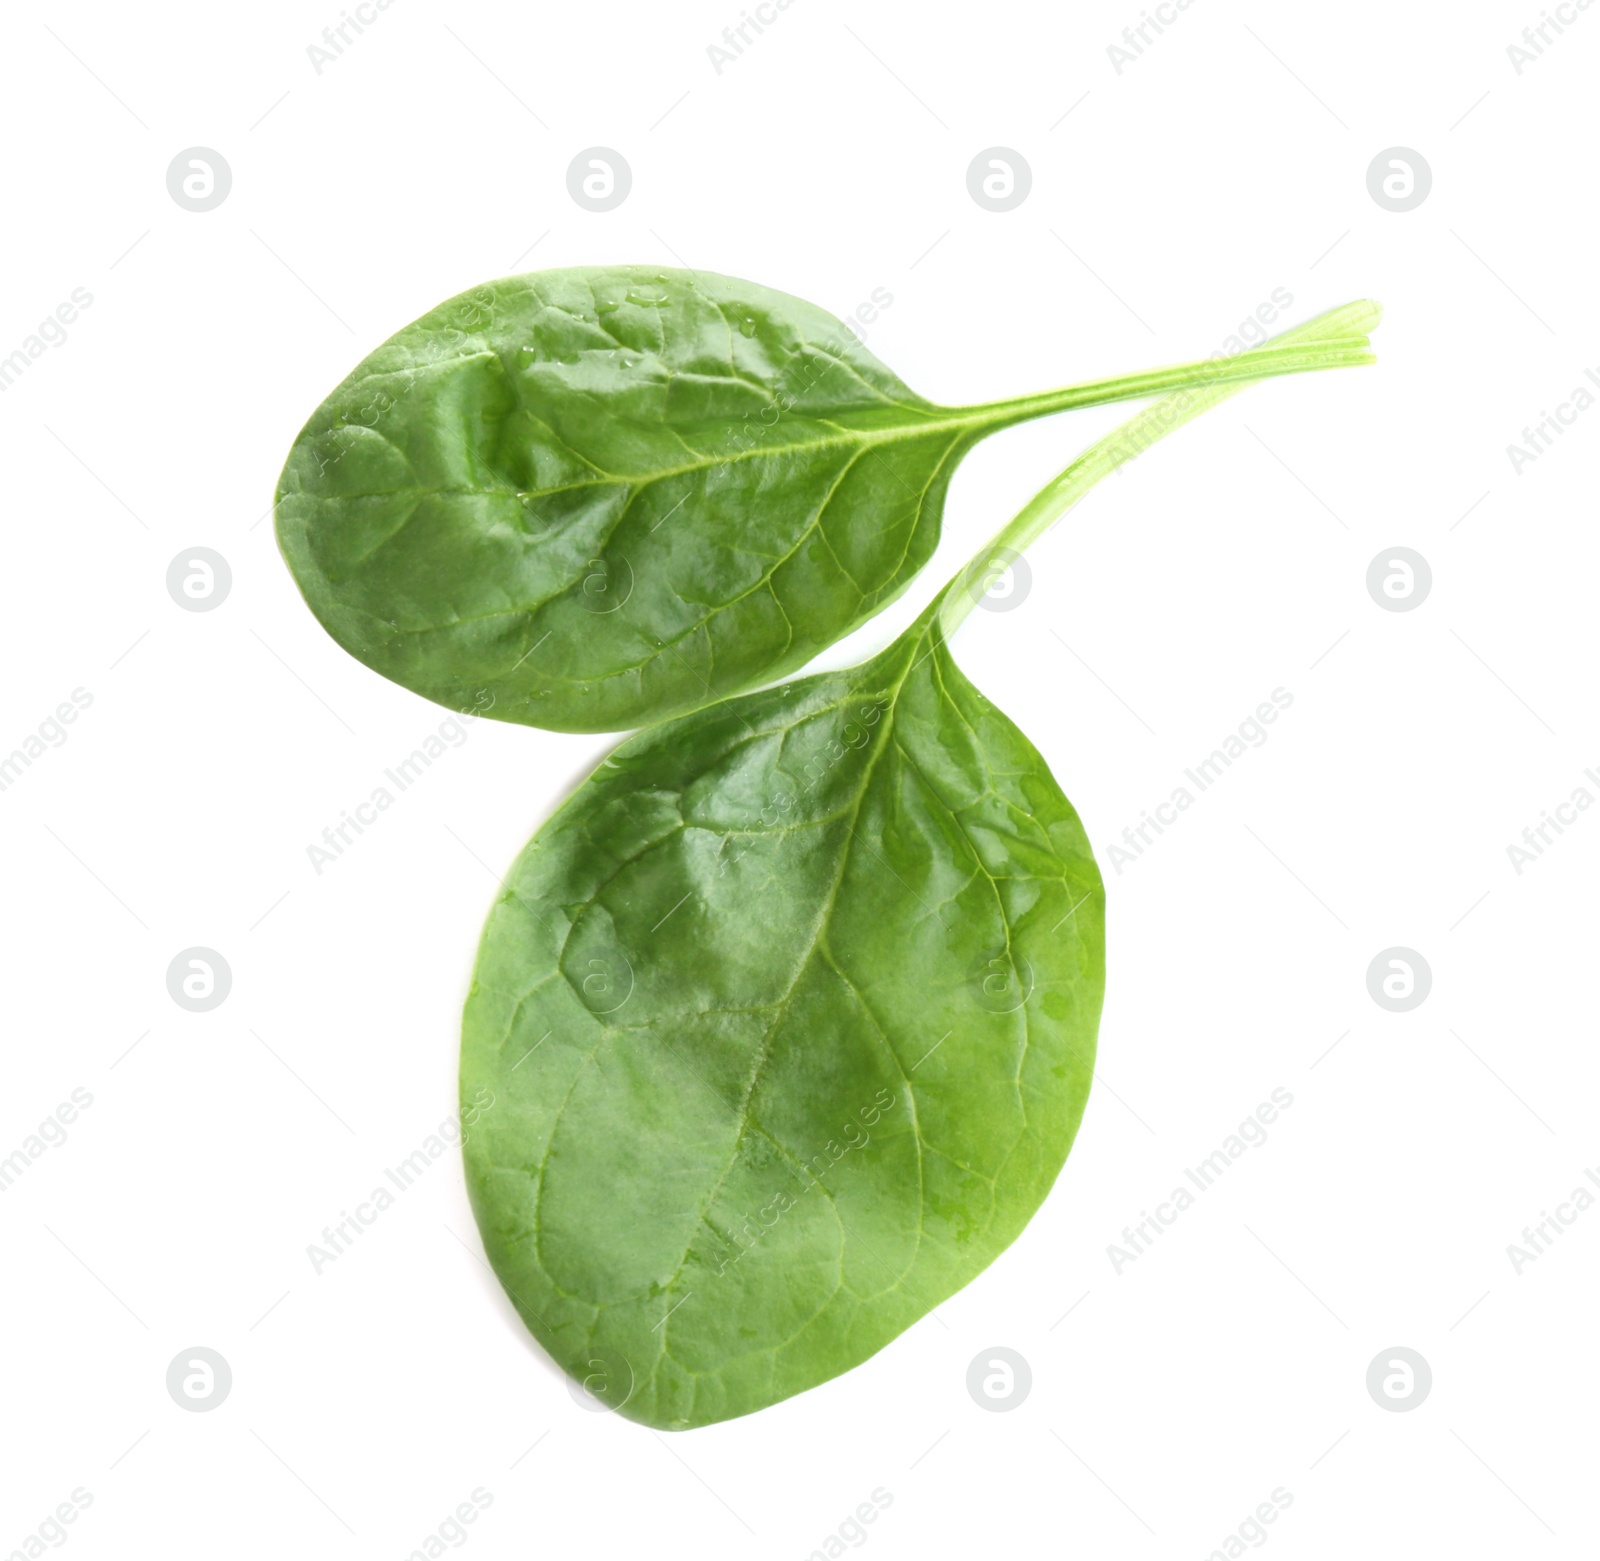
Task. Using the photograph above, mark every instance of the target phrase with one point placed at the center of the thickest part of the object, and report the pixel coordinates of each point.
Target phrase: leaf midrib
(743, 1118)
(819, 928)
(963, 420)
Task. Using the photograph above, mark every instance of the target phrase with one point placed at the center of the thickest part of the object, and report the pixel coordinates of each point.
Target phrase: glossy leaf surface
(788, 1018)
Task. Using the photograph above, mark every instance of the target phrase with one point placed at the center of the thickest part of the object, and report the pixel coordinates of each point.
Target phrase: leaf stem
(1266, 361)
(1336, 339)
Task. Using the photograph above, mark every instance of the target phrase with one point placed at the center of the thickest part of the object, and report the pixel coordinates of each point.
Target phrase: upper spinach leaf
(599, 497)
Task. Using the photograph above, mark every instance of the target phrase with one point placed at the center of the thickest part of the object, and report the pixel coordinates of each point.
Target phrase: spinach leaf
(597, 497)
(789, 1017)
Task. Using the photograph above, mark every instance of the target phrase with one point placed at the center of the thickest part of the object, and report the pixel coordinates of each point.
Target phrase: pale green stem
(1278, 356)
(1332, 340)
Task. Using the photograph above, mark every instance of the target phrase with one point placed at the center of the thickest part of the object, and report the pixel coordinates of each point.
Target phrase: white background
(829, 160)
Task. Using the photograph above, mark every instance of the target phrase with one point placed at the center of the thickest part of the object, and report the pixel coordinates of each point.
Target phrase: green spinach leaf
(595, 498)
(789, 1016)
